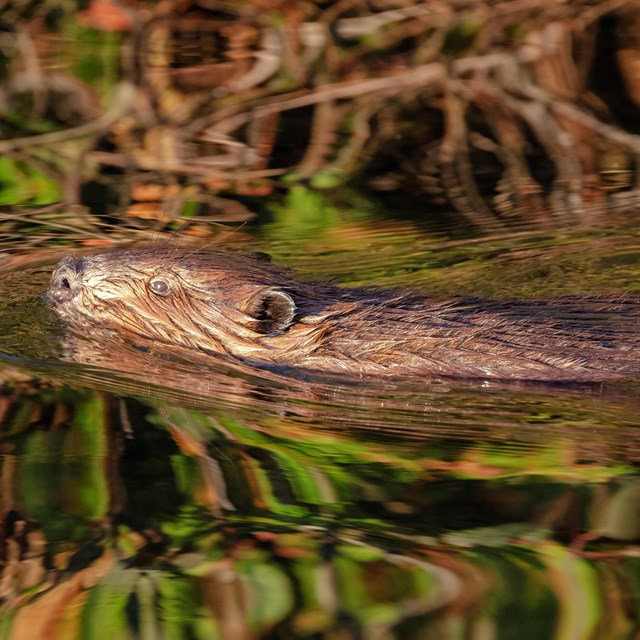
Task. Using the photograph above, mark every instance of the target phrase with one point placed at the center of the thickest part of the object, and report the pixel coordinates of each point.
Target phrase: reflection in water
(152, 496)
(440, 257)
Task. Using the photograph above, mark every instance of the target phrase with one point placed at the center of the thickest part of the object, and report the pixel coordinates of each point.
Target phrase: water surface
(163, 497)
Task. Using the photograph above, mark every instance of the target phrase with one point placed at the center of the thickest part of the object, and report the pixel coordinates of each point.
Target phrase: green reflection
(203, 524)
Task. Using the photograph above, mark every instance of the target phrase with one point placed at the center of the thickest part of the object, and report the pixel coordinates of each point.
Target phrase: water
(148, 495)
(155, 496)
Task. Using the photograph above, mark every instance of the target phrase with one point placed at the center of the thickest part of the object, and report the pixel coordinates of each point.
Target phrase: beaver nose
(65, 279)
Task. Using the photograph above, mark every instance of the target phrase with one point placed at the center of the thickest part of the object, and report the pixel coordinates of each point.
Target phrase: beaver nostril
(66, 279)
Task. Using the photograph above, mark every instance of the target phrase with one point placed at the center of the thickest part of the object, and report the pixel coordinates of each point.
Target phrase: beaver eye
(159, 286)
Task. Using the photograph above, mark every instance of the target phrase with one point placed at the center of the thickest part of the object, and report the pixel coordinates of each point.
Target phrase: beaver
(213, 302)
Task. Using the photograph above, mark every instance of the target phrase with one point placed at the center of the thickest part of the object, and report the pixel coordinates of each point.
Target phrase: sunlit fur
(356, 330)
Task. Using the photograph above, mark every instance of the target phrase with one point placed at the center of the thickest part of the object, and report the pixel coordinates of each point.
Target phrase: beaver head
(216, 302)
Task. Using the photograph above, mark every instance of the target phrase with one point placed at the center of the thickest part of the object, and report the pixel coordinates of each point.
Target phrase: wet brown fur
(218, 300)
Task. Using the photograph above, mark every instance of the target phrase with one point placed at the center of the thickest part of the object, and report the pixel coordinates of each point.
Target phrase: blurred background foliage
(135, 115)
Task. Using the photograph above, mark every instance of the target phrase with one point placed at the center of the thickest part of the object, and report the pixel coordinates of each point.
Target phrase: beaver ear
(273, 309)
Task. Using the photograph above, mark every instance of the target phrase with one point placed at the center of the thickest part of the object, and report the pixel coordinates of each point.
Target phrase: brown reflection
(403, 407)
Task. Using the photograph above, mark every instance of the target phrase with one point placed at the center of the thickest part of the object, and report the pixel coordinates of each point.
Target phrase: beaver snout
(65, 280)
